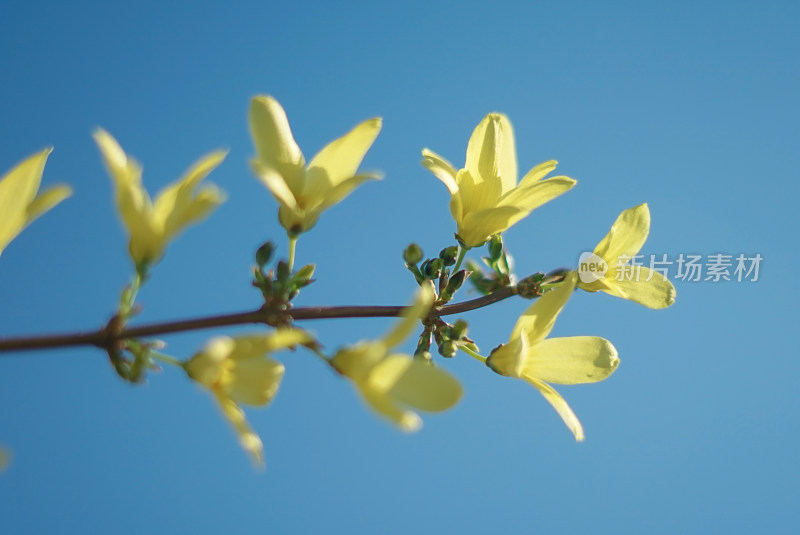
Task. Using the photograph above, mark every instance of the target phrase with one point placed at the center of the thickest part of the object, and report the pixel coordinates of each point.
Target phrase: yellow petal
(343, 189)
(254, 381)
(572, 360)
(491, 153)
(538, 320)
(339, 160)
(273, 139)
(627, 235)
(248, 438)
(257, 345)
(410, 317)
(18, 188)
(276, 184)
(175, 202)
(533, 196)
(441, 169)
(385, 406)
(358, 360)
(537, 173)
(415, 383)
(509, 359)
(477, 227)
(47, 200)
(560, 405)
(658, 292)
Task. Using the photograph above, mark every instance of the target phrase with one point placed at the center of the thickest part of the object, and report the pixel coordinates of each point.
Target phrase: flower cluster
(486, 199)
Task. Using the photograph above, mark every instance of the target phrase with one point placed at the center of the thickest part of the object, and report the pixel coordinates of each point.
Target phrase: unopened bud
(456, 281)
(264, 254)
(459, 330)
(432, 268)
(495, 247)
(448, 349)
(412, 254)
(449, 255)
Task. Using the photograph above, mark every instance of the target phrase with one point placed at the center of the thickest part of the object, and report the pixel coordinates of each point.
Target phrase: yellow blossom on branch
(539, 360)
(20, 200)
(240, 371)
(304, 192)
(390, 383)
(485, 197)
(152, 225)
(619, 278)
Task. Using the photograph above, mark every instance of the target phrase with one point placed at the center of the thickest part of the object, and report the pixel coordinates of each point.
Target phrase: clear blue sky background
(689, 106)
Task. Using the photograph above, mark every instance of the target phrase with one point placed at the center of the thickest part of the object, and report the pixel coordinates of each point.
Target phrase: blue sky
(690, 107)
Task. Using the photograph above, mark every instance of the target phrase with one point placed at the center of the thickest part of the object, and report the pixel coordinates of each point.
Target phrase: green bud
(458, 330)
(432, 268)
(304, 274)
(412, 254)
(530, 287)
(283, 271)
(456, 281)
(449, 255)
(495, 247)
(448, 349)
(264, 254)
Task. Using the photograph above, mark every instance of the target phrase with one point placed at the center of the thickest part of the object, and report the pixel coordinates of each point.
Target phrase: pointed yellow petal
(340, 191)
(572, 360)
(248, 439)
(410, 317)
(477, 227)
(627, 235)
(415, 383)
(254, 381)
(537, 173)
(172, 204)
(272, 136)
(658, 292)
(256, 345)
(441, 168)
(18, 187)
(509, 359)
(538, 320)
(385, 406)
(533, 196)
(358, 360)
(276, 184)
(491, 153)
(560, 405)
(47, 200)
(340, 159)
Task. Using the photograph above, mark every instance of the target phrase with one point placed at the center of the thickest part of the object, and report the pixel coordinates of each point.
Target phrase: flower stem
(292, 247)
(166, 359)
(462, 252)
(473, 354)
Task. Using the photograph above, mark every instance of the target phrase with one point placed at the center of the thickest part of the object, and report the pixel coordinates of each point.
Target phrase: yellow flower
(391, 382)
(152, 225)
(239, 371)
(539, 360)
(637, 283)
(19, 202)
(305, 192)
(485, 197)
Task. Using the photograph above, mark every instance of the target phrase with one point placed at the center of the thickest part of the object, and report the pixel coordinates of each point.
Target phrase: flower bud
(264, 254)
(448, 349)
(449, 255)
(432, 268)
(495, 247)
(412, 254)
(458, 330)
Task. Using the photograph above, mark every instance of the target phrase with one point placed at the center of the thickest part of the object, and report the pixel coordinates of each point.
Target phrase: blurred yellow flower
(152, 225)
(485, 197)
(305, 192)
(539, 360)
(637, 283)
(19, 202)
(390, 383)
(240, 371)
